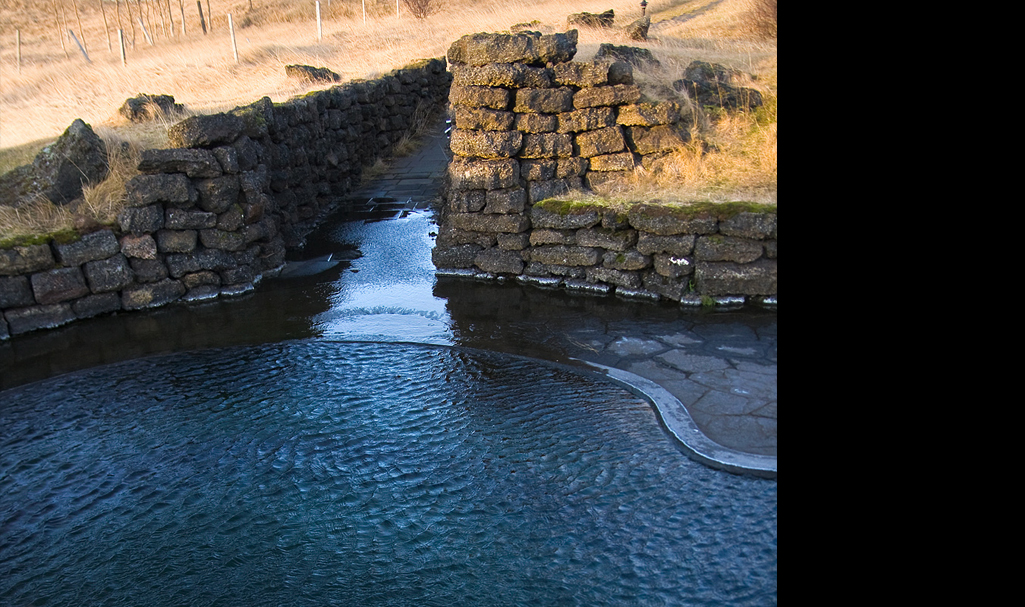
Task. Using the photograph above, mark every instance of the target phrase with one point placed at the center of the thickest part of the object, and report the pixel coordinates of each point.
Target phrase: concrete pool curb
(678, 422)
(671, 412)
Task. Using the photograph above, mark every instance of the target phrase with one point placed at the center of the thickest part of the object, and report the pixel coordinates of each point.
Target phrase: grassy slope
(200, 70)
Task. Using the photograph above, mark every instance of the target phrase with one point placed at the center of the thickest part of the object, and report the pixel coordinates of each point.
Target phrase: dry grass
(39, 218)
(733, 155)
(53, 89)
(739, 164)
(424, 116)
(100, 203)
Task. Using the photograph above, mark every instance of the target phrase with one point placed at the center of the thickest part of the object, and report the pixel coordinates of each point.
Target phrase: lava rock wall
(531, 124)
(216, 213)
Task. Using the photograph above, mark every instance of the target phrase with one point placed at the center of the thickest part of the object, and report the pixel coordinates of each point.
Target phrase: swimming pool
(316, 472)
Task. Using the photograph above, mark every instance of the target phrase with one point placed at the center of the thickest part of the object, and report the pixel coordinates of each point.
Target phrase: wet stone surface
(727, 380)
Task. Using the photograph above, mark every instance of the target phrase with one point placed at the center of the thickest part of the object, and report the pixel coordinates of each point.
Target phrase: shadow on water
(279, 309)
(556, 325)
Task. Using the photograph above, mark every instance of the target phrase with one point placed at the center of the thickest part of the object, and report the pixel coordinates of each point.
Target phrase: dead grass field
(54, 85)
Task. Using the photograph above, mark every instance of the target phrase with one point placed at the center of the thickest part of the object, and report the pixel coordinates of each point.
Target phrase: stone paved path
(416, 178)
(723, 372)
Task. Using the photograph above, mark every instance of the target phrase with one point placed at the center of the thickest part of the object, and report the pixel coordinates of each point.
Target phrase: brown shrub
(421, 9)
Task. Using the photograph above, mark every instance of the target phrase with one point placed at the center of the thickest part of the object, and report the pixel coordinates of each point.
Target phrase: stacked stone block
(531, 124)
(216, 213)
(650, 251)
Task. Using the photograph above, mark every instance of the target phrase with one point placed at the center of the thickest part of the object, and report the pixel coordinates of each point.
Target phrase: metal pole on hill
(142, 19)
(145, 32)
(80, 47)
(121, 43)
(320, 29)
(234, 47)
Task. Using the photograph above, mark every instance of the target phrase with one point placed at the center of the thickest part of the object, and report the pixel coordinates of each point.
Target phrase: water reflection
(276, 311)
(386, 294)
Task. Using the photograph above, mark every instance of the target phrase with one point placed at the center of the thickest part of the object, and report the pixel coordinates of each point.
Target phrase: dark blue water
(319, 473)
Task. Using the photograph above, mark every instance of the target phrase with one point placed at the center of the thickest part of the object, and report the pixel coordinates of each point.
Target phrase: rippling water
(318, 473)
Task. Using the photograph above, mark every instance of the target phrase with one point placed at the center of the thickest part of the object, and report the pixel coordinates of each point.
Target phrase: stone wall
(531, 124)
(216, 213)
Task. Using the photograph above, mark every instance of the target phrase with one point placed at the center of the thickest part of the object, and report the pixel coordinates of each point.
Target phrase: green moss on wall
(64, 236)
(681, 210)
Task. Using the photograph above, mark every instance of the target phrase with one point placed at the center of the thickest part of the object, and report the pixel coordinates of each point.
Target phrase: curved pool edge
(678, 422)
(671, 412)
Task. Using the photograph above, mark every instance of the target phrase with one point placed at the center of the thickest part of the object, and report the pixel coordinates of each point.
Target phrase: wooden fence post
(117, 5)
(320, 29)
(121, 43)
(202, 21)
